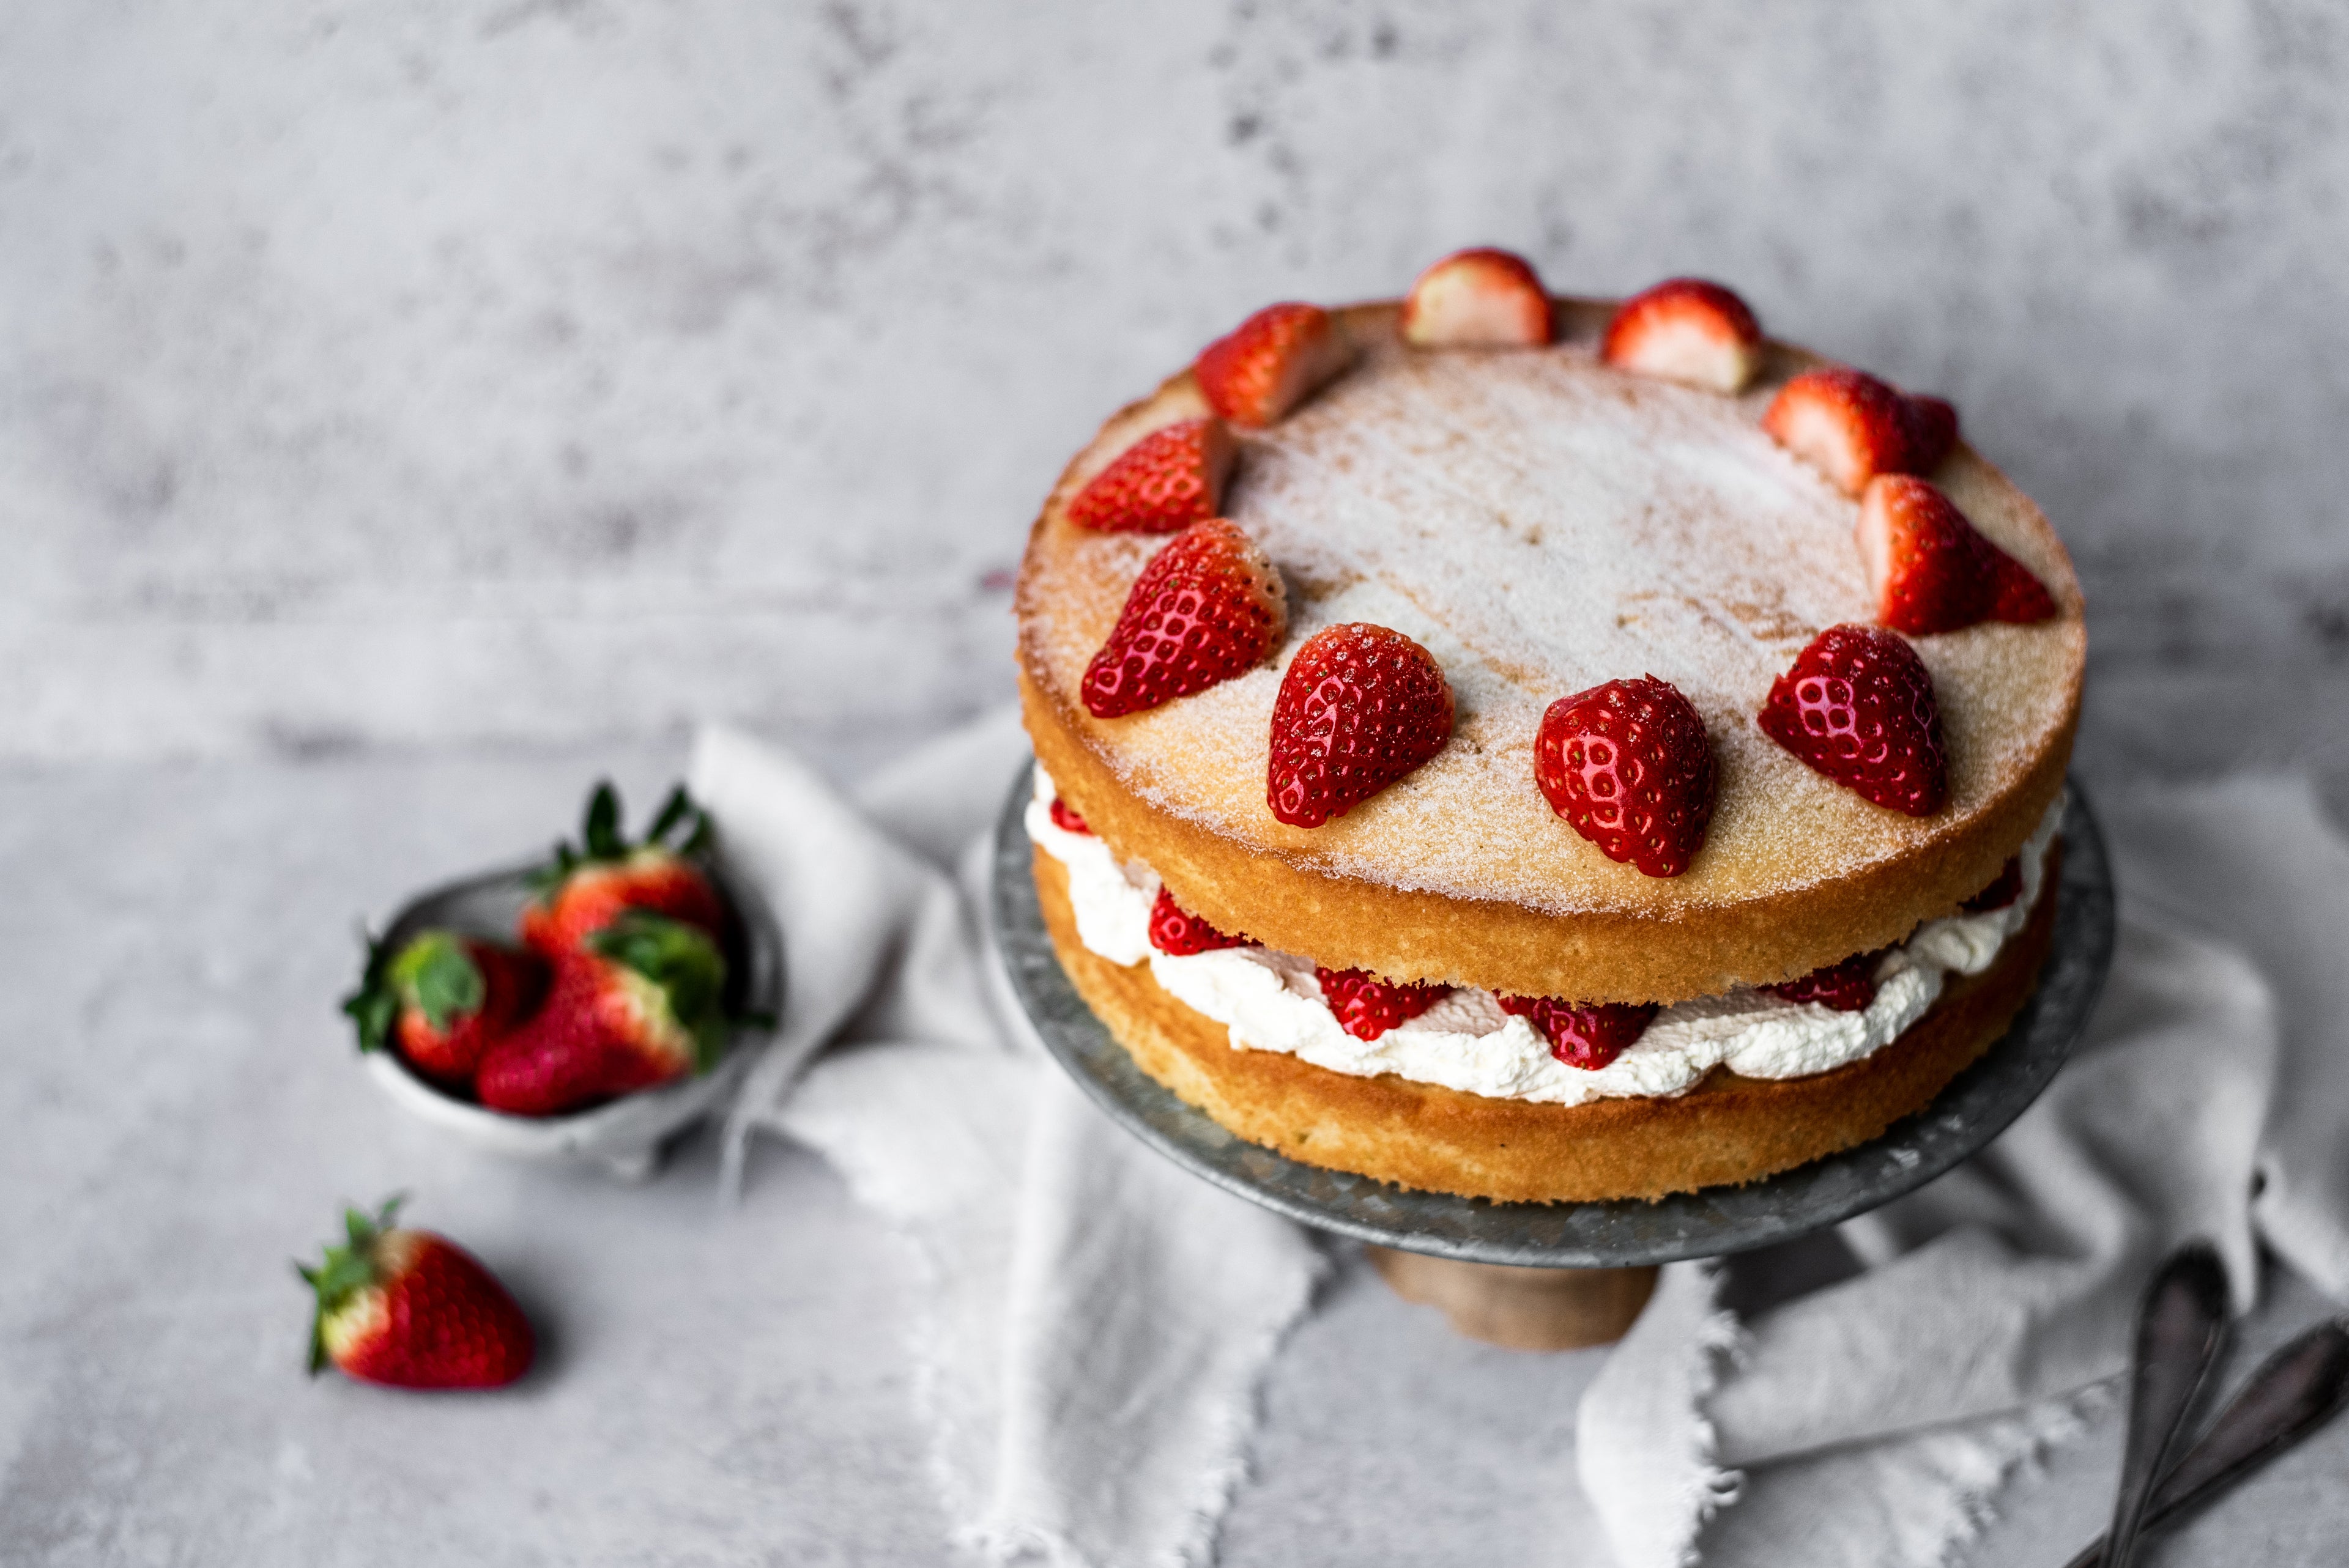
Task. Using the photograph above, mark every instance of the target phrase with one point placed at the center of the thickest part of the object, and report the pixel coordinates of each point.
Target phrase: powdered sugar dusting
(1544, 523)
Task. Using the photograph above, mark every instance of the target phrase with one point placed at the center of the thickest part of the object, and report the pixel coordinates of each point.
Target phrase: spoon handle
(2179, 1329)
(2295, 1391)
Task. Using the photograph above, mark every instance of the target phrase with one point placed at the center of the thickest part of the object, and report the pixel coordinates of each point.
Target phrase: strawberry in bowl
(588, 1007)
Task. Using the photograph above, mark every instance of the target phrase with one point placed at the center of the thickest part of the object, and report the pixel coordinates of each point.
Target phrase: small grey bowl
(626, 1137)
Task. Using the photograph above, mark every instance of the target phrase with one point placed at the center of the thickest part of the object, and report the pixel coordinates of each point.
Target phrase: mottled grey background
(410, 410)
(402, 374)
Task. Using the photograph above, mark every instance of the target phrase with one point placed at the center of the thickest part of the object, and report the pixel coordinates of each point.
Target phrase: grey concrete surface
(558, 369)
(410, 409)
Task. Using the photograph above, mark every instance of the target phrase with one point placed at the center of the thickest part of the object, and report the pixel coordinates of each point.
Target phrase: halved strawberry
(583, 889)
(1844, 422)
(1064, 817)
(640, 1005)
(1686, 329)
(1931, 426)
(2004, 889)
(1477, 299)
(1585, 1035)
(1857, 707)
(1173, 930)
(1360, 706)
(1272, 361)
(1367, 1007)
(1930, 570)
(443, 999)
(1628, 767)
(1210, 606)
(1847, 987)
(2022, 598)
(1162, 483)
(413, 1310)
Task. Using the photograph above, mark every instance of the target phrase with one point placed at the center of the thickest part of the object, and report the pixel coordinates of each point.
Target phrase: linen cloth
(1094, 1320)
(1874, 1421)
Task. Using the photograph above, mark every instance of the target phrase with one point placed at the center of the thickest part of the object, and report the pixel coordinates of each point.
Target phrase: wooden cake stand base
(1520, 1308)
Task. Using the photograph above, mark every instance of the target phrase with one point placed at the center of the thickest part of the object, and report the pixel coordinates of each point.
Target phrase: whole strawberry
(1176, 932)
(1360, 706)
(1846, 987)
(1165, 481)
(586, 887)
(640, 1005)
(443, 999)
(413, 1310)
(1858, 707)
(1271, 362)
(1585, 1035)
(1367, 1007)
(1208, 607)
(1627, 765)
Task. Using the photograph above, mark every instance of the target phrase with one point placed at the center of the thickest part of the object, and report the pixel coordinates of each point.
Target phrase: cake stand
(1479, 1260)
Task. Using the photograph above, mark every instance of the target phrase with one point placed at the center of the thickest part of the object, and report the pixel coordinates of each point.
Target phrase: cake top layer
(1543, 523)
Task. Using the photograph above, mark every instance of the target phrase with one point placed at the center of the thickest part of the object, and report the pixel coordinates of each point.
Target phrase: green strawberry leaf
(684, 962)
(601, 838)
(372, 1009)
(436, 975)
(675, 809)
(348, 1270)
(601, 832)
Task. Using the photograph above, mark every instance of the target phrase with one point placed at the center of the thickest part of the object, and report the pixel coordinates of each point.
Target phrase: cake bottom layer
(1727, 1130)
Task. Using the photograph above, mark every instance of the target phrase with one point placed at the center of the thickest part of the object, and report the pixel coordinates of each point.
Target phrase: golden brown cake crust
(1727, 1130)
(1798, 874)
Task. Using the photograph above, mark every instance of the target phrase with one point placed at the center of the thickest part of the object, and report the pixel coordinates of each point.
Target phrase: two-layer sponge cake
(1545, 750)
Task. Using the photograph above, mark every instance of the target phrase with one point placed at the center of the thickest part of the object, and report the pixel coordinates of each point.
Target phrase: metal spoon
(2179, 1328)
(2295, 1391)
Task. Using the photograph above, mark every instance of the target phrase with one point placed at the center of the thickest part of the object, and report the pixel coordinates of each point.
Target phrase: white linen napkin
(1873, 1422)
(1097, 1320)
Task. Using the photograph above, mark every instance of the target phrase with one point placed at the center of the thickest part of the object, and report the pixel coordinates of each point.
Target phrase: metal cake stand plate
(1975, 1107)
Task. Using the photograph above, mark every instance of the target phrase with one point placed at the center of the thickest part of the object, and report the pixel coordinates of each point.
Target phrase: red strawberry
(1628, 767)
(1686, 329)
(444, 999)
(1172, 931)
(1162, 483)
(413, 1310)
(1847, 987)
(1476, 299)
(1066, 820)
(1585, 1035)
(2022, 598)
(582, 890)
(1857, 707)
(1271, 362)
(1848, 425)
(1368, 1006)
(640, 1006)
(2004, 890)
(1930, 570)
(1208, 607)
(1931, 429)
(1359, 707)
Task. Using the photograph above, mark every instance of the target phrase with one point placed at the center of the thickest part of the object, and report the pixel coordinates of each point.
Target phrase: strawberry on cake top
(1647, 505)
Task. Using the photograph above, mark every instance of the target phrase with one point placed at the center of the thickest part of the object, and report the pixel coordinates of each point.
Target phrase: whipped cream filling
(1271, 1001)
